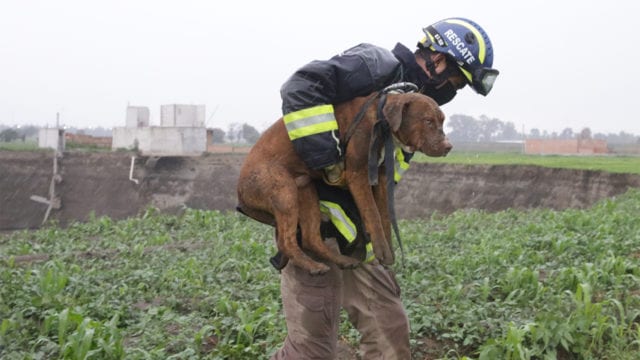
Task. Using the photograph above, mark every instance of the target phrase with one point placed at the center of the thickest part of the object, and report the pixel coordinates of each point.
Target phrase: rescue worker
(454, 52)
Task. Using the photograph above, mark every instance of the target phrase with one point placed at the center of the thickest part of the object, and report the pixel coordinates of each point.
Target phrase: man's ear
(394, 110)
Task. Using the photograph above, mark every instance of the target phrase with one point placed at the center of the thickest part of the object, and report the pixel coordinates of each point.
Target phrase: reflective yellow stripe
(401, 165)
(482, 47)
(310, 121)
(370, 255)
(431, 39)
(466, 74)
(308, 112)
(339, 219)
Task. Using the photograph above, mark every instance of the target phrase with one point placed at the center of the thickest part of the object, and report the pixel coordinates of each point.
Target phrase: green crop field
(20, 146)
(538, 284)
(610, 163)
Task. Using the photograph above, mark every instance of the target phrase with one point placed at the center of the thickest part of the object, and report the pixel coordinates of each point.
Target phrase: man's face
(444, 65)
(446, 80)
(457, 80)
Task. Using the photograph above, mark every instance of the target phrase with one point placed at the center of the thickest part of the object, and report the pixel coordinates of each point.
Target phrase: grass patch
(609, 163)
(29, 145)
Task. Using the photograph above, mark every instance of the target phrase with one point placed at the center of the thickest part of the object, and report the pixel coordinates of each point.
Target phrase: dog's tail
(257, 215)
(279, 260)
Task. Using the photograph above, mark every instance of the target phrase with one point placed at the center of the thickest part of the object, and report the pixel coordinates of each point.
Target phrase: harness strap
(381, 134)
(382, 137)
(354, 124)
(400, 87)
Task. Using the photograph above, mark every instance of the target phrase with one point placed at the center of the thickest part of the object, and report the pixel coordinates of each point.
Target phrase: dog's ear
(394, 110)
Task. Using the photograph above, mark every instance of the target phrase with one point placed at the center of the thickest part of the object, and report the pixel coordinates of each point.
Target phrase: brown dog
(275, 186)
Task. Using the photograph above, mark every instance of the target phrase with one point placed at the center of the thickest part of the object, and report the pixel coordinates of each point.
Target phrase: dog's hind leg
(269, 194)
(310, 217)
(284, 202)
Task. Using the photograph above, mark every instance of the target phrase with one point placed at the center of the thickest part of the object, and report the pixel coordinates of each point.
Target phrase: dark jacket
(359, 71)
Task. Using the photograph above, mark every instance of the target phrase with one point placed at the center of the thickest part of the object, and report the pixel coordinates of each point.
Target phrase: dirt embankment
(100, 183)
(446, 188)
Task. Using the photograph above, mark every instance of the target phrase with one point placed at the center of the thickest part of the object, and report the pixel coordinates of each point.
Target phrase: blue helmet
(466, 43)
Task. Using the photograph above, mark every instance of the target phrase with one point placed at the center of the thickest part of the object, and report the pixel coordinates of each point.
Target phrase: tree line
(465, 128)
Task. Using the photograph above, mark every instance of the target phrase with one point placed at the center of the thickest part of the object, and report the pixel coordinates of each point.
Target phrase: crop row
(536, 284)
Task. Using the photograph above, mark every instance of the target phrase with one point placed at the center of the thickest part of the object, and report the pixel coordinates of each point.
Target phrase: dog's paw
(319, 269)
(384, 254)
(347, 262)
(387, 260)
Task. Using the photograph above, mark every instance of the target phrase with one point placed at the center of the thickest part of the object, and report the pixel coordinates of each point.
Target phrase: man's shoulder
(371, 54)
(365, 48)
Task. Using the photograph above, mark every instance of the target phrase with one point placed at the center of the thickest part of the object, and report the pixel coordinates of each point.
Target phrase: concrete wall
(137, 116)
(161, 141)
(51, 138)
(182, 115)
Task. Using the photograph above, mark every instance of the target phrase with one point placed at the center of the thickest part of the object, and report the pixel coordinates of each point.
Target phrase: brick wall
(82, 139)
(571, 146)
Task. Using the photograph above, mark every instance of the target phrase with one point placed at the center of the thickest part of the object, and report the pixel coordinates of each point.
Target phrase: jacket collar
(411, 71)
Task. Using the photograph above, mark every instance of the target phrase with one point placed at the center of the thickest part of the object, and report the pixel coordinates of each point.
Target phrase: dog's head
(416, 121)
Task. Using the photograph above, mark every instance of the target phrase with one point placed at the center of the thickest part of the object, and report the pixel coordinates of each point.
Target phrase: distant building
(181, 131)
(137, 116)
(51, 138)
(182, 115)
(568, 146)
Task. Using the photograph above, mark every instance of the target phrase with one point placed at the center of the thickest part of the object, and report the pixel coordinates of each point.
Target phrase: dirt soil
(100, 183)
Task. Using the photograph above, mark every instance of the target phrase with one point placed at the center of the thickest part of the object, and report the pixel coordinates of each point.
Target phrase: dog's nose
(447, 146)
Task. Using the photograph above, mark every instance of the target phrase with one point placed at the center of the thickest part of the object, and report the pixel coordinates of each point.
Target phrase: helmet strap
(425, 54)
(431, 67)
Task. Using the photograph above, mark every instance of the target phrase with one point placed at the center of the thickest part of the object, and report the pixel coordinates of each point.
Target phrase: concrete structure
(137, 116)
(52, 138)
(181, 131)
(161, 141)
(570, 146)
(182, 115)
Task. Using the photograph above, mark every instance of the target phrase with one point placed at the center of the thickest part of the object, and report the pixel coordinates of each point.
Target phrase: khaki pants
(369, 294)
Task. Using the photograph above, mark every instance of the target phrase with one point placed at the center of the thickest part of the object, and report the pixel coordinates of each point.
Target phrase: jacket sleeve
(355, 72)
(309, 94)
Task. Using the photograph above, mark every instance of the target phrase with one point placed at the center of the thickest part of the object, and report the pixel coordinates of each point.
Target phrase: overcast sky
(563, 64)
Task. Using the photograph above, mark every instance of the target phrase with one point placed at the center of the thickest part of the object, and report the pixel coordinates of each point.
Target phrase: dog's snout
(447, 146)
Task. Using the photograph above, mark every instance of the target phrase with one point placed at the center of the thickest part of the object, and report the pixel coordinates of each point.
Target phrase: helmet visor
(482, 80)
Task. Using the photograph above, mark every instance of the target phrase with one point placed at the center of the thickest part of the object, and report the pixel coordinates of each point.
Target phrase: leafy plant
(538, 284)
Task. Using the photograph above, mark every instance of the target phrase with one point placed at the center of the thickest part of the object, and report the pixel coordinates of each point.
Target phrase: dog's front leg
(380, 196)
(362, 194)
